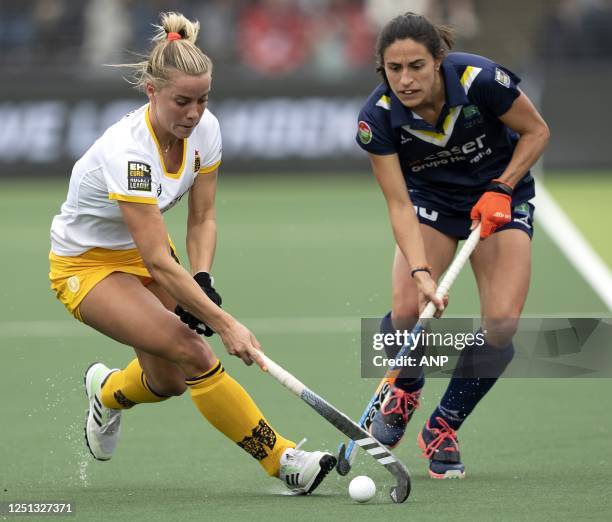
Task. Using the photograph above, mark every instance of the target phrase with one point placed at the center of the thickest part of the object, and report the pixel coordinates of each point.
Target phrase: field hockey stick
(348, 452)
(398, 493)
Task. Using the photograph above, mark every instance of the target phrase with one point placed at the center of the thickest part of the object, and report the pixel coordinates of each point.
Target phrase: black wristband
(500, 187)
(420, 269)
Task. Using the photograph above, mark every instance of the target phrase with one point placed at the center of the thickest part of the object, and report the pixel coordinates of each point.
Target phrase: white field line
(573, 244)
(259, 325)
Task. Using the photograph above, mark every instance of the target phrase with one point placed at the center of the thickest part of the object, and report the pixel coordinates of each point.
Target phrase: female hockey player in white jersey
(114, 267)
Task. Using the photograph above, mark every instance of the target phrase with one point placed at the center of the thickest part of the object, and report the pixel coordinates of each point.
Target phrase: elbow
(158, 264)
(543, 134)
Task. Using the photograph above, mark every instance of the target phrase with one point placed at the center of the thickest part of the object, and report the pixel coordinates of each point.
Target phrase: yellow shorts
(73, 277)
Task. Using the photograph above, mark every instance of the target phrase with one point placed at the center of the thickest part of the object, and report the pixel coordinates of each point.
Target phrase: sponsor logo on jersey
(365, 133)
(472, 151)
(502, 77)
(139, 176)
(198, 162)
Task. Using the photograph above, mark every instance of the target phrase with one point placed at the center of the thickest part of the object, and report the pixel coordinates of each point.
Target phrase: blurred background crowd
(328, 38)
(290, 75)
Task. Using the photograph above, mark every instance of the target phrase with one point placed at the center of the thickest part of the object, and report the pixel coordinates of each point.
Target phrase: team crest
(502, 77)
(139, 176)
(73, 284)
(470, 112)
(365, 133)
(198, 162)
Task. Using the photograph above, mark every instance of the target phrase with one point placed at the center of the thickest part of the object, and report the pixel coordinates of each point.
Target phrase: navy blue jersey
(447, 167)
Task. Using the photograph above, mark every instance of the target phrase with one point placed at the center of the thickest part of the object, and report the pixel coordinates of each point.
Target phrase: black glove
(205, 281)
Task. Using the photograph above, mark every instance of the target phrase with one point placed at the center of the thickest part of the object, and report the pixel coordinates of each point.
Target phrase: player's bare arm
(201, 223)
(149, 232)
(524, 119)
(406, 228)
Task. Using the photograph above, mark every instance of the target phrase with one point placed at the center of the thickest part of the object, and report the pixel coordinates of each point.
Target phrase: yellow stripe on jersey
(384, 102)
(173, 175)
(206, 170)
(449, 121)
(132, 199)
(441, 138)
(468, 77)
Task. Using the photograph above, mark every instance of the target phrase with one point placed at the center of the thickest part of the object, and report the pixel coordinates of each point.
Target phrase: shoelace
(446, 432)
(403, 400)
(113, 423)
(297, 450)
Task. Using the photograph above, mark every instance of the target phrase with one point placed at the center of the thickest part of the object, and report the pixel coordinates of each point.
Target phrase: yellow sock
(230, 409)
(125, 388)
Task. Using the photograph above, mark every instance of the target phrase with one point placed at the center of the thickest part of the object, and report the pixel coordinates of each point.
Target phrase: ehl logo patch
(365, 133)
(197, 163)
(139, 176)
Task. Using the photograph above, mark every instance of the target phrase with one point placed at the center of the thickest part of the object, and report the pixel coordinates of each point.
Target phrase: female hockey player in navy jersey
(451, 139)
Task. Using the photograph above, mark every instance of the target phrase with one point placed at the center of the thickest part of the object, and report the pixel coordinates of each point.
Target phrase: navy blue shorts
(458, 225)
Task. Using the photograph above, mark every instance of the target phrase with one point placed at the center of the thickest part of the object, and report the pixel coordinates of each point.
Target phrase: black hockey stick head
(400, 492)
(343, 466)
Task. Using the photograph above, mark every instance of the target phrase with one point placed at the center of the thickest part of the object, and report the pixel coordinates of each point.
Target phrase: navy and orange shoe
(396, 410)
(441, 447)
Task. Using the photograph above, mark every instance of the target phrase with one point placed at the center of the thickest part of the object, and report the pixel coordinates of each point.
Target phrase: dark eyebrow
(413, 62)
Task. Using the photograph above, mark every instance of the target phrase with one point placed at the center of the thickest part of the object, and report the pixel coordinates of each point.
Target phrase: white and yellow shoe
(103, 425)
(302, 471)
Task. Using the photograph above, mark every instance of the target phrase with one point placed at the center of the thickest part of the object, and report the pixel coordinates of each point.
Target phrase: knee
(191, 353)
(168, 387)
(405, 314)
(500, 331)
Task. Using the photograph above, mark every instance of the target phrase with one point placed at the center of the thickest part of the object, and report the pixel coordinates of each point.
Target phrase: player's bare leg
(110, 308)
(501, 264)
(171, 357)
(402, 400)
(440, 250)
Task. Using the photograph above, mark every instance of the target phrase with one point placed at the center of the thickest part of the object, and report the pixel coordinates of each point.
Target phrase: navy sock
(409, 379)
(478, 368)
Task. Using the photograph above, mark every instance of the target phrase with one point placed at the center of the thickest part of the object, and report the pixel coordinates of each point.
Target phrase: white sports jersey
(126, 164)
